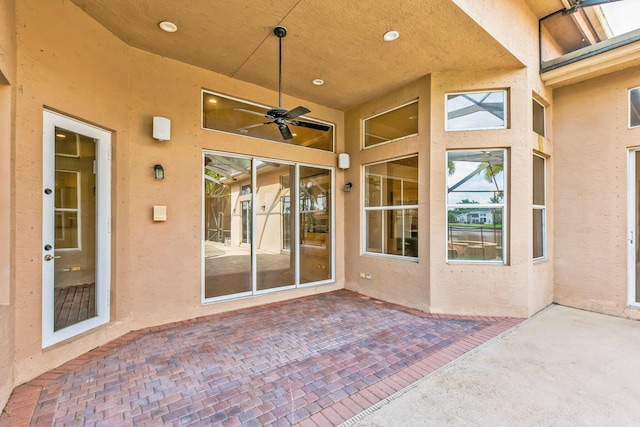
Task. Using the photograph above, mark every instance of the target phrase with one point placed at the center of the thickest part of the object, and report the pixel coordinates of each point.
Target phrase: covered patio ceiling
(336, 41)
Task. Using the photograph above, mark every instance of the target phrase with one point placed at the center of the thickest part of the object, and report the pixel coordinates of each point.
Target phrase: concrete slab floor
(562, 367)
(314, 361)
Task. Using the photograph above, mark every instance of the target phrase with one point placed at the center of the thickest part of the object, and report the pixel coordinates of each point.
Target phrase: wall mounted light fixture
(159, 171)
(347, 187)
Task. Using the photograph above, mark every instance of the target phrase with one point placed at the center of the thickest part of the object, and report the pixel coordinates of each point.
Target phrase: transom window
(476, 110)
(226, 114)
(391, 208)
(399, 123)
(476, 205)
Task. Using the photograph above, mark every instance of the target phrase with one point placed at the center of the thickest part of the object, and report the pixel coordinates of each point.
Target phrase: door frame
(102, 138)
(633, 212)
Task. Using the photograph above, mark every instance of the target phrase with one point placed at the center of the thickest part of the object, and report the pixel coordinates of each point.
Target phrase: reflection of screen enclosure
(475, 205)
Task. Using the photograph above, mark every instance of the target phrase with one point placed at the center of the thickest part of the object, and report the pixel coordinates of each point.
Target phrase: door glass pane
(227, 220)
(315, 224)
(75, 229)
(637, 227)
(275, 267)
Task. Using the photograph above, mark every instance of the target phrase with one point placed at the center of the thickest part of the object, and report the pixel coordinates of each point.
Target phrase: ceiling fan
(280, 115)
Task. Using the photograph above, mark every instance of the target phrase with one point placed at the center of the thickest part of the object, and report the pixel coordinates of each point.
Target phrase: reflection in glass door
(275, 267)
(76, 216)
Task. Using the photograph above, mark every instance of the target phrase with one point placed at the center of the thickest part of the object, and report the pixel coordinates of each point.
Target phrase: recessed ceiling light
(390, 36)
(244, 131)
(169, 27)
(61, 135)
(318, 82)
(213, 100)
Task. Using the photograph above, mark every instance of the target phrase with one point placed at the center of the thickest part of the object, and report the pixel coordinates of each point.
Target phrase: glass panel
(538, 118)
(392, 125)
(374, 231)
(538, 233)
(315, 224)
(475, 177)
(637, 225)
(634, 107)
(242, 118)
(392, 183)
(538, 181)
(475, 234)
(67, 143)
(66, 190)
(75, 230)
(226, 218)
(275, 267)
(286, 222)
(475, 202)
(582, 31)
(476, 110)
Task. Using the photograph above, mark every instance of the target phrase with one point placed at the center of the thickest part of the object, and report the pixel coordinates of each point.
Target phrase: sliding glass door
(267, 226)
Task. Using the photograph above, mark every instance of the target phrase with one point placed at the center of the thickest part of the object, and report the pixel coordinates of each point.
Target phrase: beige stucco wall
(84, 71)
(591, 141)
(403, 282)
(7, 102)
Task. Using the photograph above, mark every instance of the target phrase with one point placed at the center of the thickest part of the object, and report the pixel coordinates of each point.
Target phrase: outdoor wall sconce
(347, 187)
(264, 208)
(158, 171)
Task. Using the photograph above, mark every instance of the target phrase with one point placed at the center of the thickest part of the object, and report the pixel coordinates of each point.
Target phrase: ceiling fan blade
(298, 111)
(254, 126)
(250, 112)
(284, 130)
(310, 125)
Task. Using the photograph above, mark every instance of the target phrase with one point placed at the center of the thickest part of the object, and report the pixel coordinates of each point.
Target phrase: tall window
(391, 208)
(539, 207)
(476, 205)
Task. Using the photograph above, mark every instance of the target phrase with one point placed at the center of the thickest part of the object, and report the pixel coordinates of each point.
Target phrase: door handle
(48, 257)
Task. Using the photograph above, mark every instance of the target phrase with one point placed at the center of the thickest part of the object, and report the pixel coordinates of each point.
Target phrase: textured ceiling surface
(337, 41)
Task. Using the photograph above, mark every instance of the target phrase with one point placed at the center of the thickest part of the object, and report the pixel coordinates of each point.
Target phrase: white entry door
(633, 224)
(76, 235)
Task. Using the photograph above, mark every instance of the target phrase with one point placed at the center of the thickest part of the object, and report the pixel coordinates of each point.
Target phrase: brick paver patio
(314, 361)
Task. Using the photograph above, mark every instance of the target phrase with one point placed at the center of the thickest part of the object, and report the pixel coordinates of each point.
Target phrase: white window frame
(385, 208)
(543, 208)
(504, 206)
(364, 127)
(629, 108)
(488, 91)
(544, 119)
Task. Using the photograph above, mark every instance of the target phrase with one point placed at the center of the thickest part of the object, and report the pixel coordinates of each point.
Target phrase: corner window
(391, 208)
(226, 114)
(476, 110)
(476, 205)
(539, 120)
(393, 125)
(539, 207)
(634, 108)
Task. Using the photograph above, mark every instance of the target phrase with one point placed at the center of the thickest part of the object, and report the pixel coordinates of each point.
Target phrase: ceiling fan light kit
(280, 115)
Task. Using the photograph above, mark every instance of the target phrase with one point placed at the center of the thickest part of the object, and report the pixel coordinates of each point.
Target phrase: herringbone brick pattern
(314, 361)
